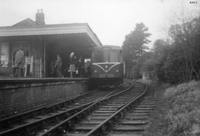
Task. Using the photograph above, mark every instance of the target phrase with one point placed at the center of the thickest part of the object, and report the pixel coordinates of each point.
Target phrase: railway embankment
(177, 112)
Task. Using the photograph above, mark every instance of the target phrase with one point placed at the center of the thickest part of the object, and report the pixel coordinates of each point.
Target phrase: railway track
(135, 121)
(28, 123)
(130, 120)
(88, 119)
(100, 113)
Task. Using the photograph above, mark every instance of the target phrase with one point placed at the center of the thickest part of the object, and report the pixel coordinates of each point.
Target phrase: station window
(4, 54)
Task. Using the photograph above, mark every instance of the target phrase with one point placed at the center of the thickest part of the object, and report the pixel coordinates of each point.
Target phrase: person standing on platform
(58, 66)
(19, 64)
(72, 64)
(79, 67)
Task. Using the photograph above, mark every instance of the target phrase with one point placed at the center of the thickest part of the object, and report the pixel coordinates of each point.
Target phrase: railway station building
(38, 44)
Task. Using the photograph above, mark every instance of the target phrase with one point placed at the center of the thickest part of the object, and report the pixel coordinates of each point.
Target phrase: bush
(181, 116)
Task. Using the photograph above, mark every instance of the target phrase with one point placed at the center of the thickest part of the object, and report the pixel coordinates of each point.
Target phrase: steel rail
(24, 127)
(68, 123)
(100, 129)
(69, 112)
(40, 109)
(17, 117)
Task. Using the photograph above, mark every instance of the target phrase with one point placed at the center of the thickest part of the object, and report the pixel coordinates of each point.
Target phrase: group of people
(75, 67)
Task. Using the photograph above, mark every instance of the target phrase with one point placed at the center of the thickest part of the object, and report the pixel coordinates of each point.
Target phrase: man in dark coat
(58, 66)
(19, 63)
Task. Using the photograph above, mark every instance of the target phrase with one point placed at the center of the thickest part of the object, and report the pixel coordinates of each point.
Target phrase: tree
(179, 61)
(134, 45)
(186, 43)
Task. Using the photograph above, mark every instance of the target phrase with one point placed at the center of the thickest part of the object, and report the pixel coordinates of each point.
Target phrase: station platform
(22, 94)
(7, 83)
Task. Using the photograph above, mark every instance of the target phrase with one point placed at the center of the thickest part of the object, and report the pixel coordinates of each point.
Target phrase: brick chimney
(39, 18)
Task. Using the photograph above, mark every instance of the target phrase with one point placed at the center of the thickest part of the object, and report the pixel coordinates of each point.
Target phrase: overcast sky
(111, 20)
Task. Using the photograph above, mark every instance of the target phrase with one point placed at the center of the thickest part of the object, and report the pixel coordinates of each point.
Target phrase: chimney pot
(39, 18)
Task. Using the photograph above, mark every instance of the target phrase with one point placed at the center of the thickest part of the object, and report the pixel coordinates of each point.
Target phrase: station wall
(22, 97)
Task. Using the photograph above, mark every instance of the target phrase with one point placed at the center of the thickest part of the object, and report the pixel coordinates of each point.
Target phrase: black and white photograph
(99, 67)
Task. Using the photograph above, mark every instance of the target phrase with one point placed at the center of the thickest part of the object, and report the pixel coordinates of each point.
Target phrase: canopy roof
(28, 27)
